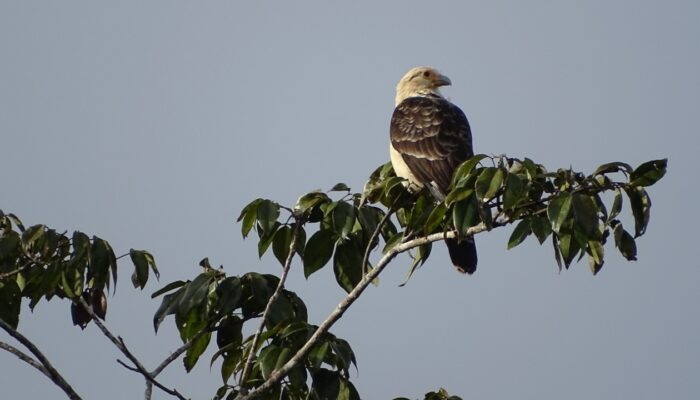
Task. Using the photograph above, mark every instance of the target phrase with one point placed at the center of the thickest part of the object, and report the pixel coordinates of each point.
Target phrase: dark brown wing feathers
(433, 137)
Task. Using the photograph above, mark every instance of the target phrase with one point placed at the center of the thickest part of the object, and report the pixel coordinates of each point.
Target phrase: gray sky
(152, 124)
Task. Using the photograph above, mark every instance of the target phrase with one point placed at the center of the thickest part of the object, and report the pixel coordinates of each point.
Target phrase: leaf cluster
(338, 228)
(40, 262)
(213, 304)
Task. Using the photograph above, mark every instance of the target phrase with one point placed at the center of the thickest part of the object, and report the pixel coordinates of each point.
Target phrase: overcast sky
(152, 124)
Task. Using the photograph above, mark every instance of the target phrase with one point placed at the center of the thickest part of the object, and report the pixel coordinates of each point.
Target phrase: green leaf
(282, 242)
(394, 188)
(142, 261)
(521, 231)
(421, 256)
(309, 203)
(369, 218)
(515, 191)
(326, 384)
(617, 205)
(300, 311)
(267, 214)
(625, 243)
(485, 215)
(71, 282)
(102, 259)
(31, 236)
(568, 247)
(228, 366)
(195, 351)
(195, 293)
(266, 238)
(347, 390)
(344, 354)
(230, 332)
(168, 306)
(318, 354)
(392, 242)
(557, 251)
(296, 332)
(420, 212)
(488, 183)
(18, 223)
(435, 219)
(465, 214)
(596, 254)
(170, 286)
(268, 359)
(458, 194)
(640, 204)
(465, 168)
(281, 310)
(541, 228)
(586, 214)
(256, 293)
(343, 217)
(81, 244)
(347, 264)
(558, 210)
(613, 167)
(229, 293)
(249, 216)
(340, 187)
(10, 302)
(649, 173)
(318, 251)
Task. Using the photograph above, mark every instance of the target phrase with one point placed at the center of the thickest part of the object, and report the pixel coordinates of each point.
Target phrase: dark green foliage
(344, 228)
(441, 394)
(39, 262)
(566, 204)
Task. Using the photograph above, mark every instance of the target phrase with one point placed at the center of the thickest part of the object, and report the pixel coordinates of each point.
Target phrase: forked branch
(43, 363)
(277, 375)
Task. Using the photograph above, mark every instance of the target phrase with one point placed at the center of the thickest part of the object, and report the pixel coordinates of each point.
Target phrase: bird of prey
(430, 137)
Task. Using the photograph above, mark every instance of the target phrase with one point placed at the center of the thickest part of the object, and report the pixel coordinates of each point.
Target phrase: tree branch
(16, 271)
(48, 369)
(381, 223)
(340, 309)
(24, 357)
(172, 357)
(119, 343)
(254, 344)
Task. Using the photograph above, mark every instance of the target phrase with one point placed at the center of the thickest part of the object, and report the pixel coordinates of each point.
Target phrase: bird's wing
(433, 137)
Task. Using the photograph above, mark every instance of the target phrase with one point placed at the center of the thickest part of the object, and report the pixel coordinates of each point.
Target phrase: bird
(429, 138)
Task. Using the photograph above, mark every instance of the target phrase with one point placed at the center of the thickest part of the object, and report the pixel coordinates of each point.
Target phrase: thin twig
(16, 271)
(51, 372)
(175, 354)
(285, 271)
(340, 309)
(368, 250)
(172, 357)
(24, 357)
(119, 343)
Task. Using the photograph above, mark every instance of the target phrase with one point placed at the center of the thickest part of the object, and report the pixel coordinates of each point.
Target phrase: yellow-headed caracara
(430, 137)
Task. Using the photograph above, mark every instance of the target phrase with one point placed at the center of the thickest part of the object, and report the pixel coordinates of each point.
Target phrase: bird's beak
(442, 80)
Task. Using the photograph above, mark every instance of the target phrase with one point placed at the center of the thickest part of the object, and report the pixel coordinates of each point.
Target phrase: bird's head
(420, 81)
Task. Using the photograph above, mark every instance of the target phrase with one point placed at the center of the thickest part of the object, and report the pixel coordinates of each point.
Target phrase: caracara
(430, 137)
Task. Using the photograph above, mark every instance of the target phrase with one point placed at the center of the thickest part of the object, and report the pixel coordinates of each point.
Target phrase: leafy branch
(344, 304)
(121, 345)
(286, 356)
(285, 271)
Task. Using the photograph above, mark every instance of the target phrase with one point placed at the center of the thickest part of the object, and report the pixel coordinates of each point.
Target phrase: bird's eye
(426, 74)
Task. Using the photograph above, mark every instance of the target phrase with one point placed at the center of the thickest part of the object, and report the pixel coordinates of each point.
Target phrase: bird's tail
(463, 254)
